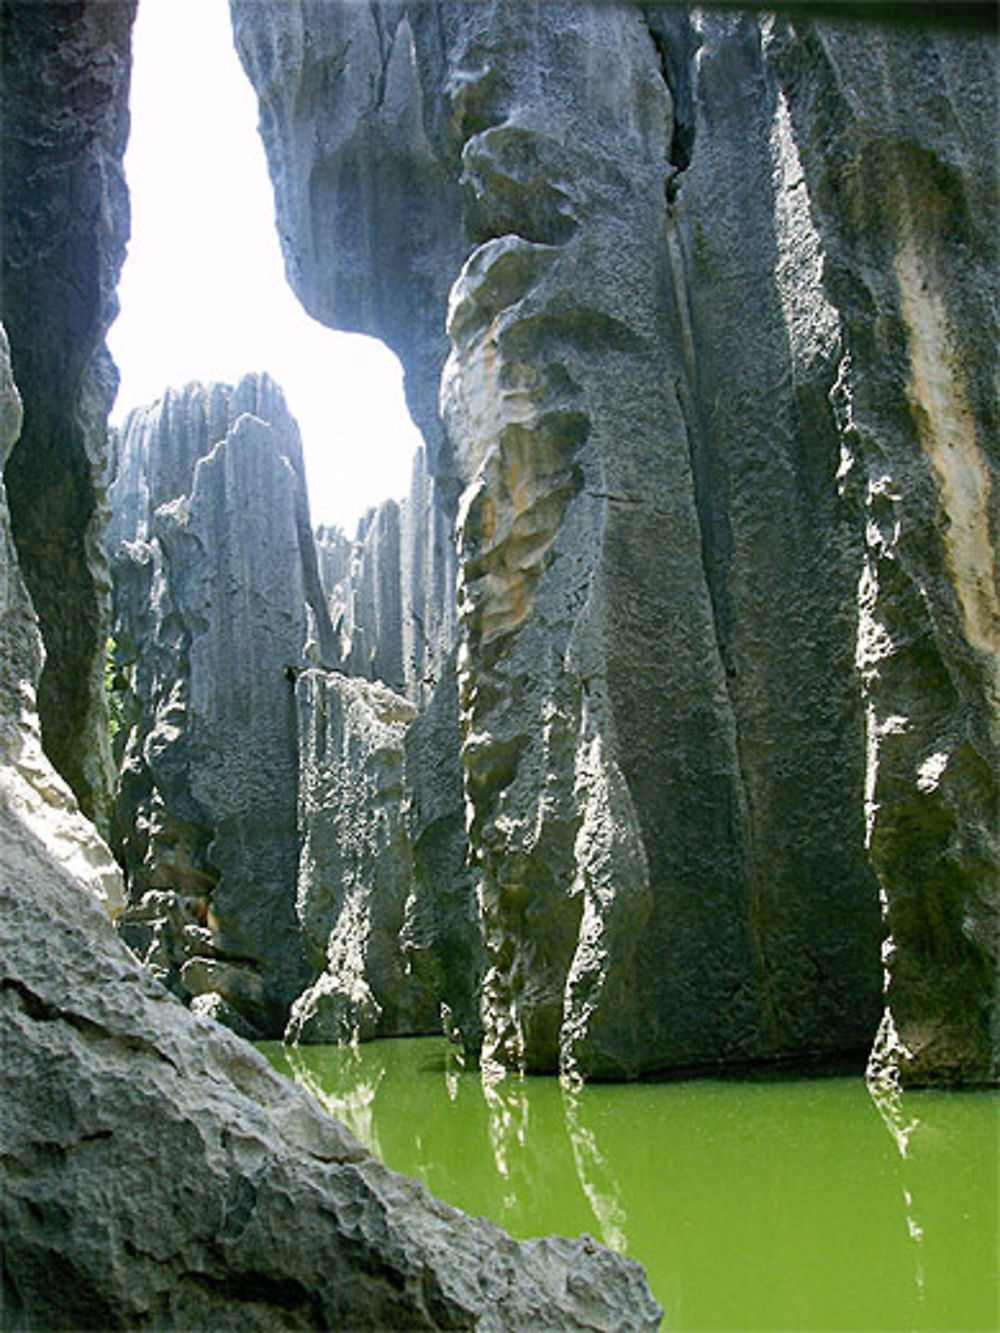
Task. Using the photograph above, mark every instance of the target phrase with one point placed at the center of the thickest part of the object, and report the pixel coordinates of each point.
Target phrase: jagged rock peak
(159, 445)
(217, 606)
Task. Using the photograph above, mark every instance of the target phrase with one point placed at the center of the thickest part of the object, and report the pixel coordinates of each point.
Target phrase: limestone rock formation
(218, 605)
(158, 1174)
(391, 591)
(65, 211)
(29, 785)
(662, 269)
(384, 901)
(898, 154)
(264, 824)
(371, 622)
(356, 862)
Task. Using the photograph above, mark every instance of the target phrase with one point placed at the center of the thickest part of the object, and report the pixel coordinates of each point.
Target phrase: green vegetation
(115, 690)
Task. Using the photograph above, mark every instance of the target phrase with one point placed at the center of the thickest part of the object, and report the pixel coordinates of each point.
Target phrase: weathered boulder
(158, 1174)
(218, 605)
(644, 263)
(65, 211)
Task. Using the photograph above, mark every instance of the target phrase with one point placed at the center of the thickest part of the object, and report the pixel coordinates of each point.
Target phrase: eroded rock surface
(384, 899)
(65, 210)
(391, 590)
(158, 1174)
(898, 153)
(667, 271)
(218, 606)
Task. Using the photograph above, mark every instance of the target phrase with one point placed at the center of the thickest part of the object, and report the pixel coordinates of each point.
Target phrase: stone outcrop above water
(275, 844)
(356, 862)
(218, 606)
(65, 213)
(688, 331)
(158, 1174)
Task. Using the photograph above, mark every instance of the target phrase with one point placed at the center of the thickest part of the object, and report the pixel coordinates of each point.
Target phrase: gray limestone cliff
(157, 1173)
(683, 316)
(217, 607)
(291, 827)
(65, 75)
(899, 155)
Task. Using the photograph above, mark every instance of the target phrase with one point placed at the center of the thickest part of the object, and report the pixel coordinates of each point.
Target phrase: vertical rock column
(898, 144)
(218, 606)
(694, 302)
(589, 672)
(757, 360)
(65, 85)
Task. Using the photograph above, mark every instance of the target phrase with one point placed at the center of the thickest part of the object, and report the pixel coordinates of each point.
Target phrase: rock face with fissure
(65, 224)
(218, 606)
(683, 317)
(898, 154)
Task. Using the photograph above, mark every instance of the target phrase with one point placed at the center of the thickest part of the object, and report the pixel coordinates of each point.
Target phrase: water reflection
(752, 1205)
(597, 1176)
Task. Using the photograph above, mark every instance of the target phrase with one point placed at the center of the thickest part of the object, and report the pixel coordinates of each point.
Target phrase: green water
(753, 1205)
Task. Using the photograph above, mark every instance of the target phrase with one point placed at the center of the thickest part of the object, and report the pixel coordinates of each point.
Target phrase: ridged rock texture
(384, 897)
(391, 591)
(719, 303)
(65, 224)
(274, 843)
(157, 1173)
(218, 606)
(898, 153)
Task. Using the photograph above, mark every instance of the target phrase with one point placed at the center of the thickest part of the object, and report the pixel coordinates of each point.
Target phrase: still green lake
(753, 1205)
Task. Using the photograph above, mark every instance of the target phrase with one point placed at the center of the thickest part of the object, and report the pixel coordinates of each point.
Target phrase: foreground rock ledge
(159, 1174)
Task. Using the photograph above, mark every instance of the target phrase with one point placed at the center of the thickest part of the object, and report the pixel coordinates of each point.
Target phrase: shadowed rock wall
(899, 156)
(65, 224)
(651, 266)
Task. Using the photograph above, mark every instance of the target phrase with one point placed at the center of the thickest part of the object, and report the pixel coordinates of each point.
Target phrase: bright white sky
(203, 292)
